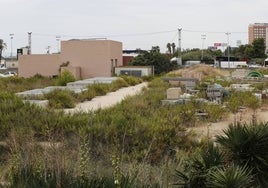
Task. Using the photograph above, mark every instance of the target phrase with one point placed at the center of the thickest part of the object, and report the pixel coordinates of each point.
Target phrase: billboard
(220, 44)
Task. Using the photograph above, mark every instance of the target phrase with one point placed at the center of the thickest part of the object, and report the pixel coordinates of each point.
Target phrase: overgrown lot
(137, 143)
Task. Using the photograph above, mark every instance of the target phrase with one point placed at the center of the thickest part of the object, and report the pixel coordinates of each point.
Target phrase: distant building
(258, 30)
(128, 55)
(84, 58)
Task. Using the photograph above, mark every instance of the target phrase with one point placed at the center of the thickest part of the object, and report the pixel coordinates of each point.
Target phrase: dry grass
(202, 70)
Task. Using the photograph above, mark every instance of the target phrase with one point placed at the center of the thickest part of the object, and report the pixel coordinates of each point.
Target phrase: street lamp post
(11, 38)
(203, 37)
(58, 43)
(228, 49)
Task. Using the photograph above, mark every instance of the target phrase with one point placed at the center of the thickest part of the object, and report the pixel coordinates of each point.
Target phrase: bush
(117, 84)
(87, 95)
(100, 89)
(65, 77)
(131, 80)
(61, 99)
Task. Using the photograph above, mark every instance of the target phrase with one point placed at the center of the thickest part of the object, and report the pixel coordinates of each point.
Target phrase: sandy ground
(213, 129)
(108, 100)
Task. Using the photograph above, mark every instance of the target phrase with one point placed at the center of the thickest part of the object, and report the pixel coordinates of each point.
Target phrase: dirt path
(108, 100)
(213, 129)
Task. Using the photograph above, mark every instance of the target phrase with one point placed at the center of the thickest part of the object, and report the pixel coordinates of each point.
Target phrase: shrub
(117, 84)
(99, 88)
(65, 77)
(61, 99)
(131, 80)
(87, 95)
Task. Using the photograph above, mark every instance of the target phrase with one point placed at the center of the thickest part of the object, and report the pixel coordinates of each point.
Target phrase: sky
(136, 23)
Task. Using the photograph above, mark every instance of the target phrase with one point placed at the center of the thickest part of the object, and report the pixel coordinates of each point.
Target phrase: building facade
(84, 58)
(258, 30)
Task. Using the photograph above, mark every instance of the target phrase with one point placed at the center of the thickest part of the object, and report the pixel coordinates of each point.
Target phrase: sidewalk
(108, 100)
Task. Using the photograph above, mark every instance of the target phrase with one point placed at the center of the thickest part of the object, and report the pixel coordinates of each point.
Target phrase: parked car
(8, 74)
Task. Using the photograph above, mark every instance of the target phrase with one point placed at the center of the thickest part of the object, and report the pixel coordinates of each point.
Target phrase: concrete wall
(76, 71)
(145, 71)
(94, 57)
(87, 58)
(46, 65)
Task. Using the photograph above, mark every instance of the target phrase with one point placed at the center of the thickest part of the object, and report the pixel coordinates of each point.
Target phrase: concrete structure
(76, 87)
(173, 93)
(258, 30)
(215, 93)
(186, 83)
(138, 71)
(230, 64)
(84, 58)
(241, 87)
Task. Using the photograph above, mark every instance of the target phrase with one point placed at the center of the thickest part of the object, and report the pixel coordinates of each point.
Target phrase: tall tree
(169, 48)
(259, 48)
(173, 46)
(160, 61)
(2, 47)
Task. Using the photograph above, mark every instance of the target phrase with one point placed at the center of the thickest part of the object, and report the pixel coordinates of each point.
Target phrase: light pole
(11, 38)
(58, 43)
(203, 37)
(228, 49)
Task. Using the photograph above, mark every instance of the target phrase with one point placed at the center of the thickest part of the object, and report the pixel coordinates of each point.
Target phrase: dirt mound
(202, 70)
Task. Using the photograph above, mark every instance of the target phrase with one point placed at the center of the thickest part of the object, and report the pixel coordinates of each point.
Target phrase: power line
(134, 34)
(105, 36)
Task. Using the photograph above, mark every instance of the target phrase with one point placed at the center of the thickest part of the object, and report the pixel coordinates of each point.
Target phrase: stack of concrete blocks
(173, 93)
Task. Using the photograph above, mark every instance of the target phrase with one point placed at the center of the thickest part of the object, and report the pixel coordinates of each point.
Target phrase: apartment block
(258, 30)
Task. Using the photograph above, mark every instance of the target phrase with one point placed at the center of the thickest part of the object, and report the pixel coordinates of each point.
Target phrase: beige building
(258, 30)
(84, 58)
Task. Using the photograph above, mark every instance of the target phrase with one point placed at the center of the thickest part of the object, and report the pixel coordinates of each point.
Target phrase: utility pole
(228, 49)
(179, 61)
(203, 37)
(29, 43)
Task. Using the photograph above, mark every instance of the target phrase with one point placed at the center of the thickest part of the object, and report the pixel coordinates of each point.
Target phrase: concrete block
(173, 93)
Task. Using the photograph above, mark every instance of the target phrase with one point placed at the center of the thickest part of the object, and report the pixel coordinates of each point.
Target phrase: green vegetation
(137, 143)
(65, 77)
(154, 58)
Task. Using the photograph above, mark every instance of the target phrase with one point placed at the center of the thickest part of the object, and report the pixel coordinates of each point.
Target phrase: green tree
(2, 47)
(154, 58)
(259, 48)
(173, 48)
(169, 48)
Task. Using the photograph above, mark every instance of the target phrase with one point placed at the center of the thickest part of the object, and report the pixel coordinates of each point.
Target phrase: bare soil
(210, 130)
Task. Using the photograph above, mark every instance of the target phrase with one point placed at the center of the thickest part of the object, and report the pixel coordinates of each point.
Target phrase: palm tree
(195, 173)
(169, 48)
(2, 47)
(248, 145)
(233, 176)
(173, 46)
